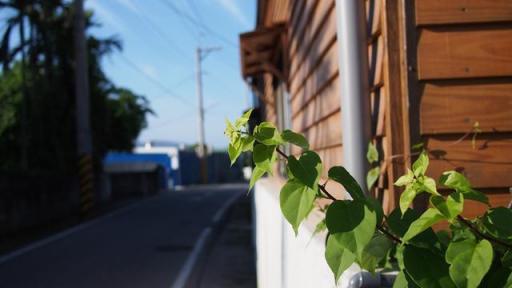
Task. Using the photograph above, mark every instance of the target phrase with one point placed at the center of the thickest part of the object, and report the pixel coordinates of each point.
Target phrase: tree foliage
(475, 253)
(37, 89)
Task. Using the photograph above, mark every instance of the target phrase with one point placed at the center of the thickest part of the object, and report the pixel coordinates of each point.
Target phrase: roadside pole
(82, 107)
(201, 53)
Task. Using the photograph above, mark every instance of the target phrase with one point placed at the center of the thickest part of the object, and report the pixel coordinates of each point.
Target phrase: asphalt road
(145, 245)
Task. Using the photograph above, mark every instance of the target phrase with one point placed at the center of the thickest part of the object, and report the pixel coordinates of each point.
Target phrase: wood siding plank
(489, 165)
(322, 104)
(326, 133)
(462, 11)
(319, 36)
(312, 76)
(445, 53)
(454, 107)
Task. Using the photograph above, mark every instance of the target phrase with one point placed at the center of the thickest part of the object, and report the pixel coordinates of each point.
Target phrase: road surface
(144, 245)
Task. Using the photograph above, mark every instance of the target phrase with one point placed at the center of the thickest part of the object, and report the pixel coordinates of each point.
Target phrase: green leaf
(351, 224)
(234, 152)
(419, 167)
(341, 175)
(375, 252)
(426, 220)
(376, 207)
(257, 173)
(320, 227)
(451, 207)
(460, 232)
(372, 155)
(399, 224)
(443, 237)
(296, 202)
(498, 277)
(400, 281)
(243, 120)
(497, 222)
(469, 261)
(307, 169)
(457, 181)
(338, 258)
(247, 143)
(372, 177)
(429, 185)
(405, 179)
(295, 138)
(407, 197)
(417, 146)
(506, 260)
(264, 156)
(230, 131)
(266, 133)
(427, 269)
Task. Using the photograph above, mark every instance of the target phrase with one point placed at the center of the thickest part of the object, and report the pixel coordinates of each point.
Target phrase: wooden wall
(313, 78)
(460, 73)
(436, 68)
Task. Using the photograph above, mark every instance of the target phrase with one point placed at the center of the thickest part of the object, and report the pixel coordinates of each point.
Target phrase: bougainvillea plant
(471, 253)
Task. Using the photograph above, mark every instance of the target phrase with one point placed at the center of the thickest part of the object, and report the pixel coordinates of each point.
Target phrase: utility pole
(82, 107)
(201, 54)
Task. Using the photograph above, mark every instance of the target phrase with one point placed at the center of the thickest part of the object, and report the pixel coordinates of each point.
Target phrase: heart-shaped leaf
(338, 258)
(351, 224)
(341, 175)
(426, 268)
(426, 220)
(449, 207)
(469, 261)
(296, 202)
(307, 169)
(295, 138)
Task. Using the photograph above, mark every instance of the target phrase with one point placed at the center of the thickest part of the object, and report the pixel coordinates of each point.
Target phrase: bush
(473, 252)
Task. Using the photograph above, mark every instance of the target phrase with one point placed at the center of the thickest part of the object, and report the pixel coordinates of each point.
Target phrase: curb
(191, 271)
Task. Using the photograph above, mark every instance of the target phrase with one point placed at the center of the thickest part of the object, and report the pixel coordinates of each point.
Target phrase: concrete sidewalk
(231, 261)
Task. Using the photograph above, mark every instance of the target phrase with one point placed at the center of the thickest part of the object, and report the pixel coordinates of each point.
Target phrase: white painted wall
(284, 260)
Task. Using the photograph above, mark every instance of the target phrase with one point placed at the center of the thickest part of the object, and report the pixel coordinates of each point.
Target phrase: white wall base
(284, 260)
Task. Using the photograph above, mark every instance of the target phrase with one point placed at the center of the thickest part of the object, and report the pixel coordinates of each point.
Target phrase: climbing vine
(472, 253)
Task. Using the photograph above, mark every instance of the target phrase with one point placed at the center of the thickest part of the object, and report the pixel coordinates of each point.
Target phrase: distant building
(171, 149)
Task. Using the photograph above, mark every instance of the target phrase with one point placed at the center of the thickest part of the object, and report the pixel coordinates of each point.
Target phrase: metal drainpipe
(355, 104)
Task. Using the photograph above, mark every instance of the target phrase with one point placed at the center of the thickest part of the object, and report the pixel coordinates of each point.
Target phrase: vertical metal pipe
(353, 67)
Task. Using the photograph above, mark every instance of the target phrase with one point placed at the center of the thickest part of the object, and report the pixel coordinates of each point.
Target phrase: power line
(162, 35)
(155, 81)
(180, 13)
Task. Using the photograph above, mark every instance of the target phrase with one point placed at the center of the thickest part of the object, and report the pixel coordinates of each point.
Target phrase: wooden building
(439, 72)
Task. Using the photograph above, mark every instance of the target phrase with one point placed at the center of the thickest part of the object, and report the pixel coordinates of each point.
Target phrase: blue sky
(158, 60)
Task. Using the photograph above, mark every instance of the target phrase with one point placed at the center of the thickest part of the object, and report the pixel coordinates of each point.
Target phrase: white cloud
(231, 7)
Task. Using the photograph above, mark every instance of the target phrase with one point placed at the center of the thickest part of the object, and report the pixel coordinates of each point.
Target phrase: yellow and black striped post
(86, 180)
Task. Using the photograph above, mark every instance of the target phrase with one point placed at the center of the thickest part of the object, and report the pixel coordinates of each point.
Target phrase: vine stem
(388, 234)
(322, 188)
(398, 240)
(479, 233)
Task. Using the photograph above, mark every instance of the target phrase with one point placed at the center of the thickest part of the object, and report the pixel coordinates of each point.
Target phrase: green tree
(37, 90)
